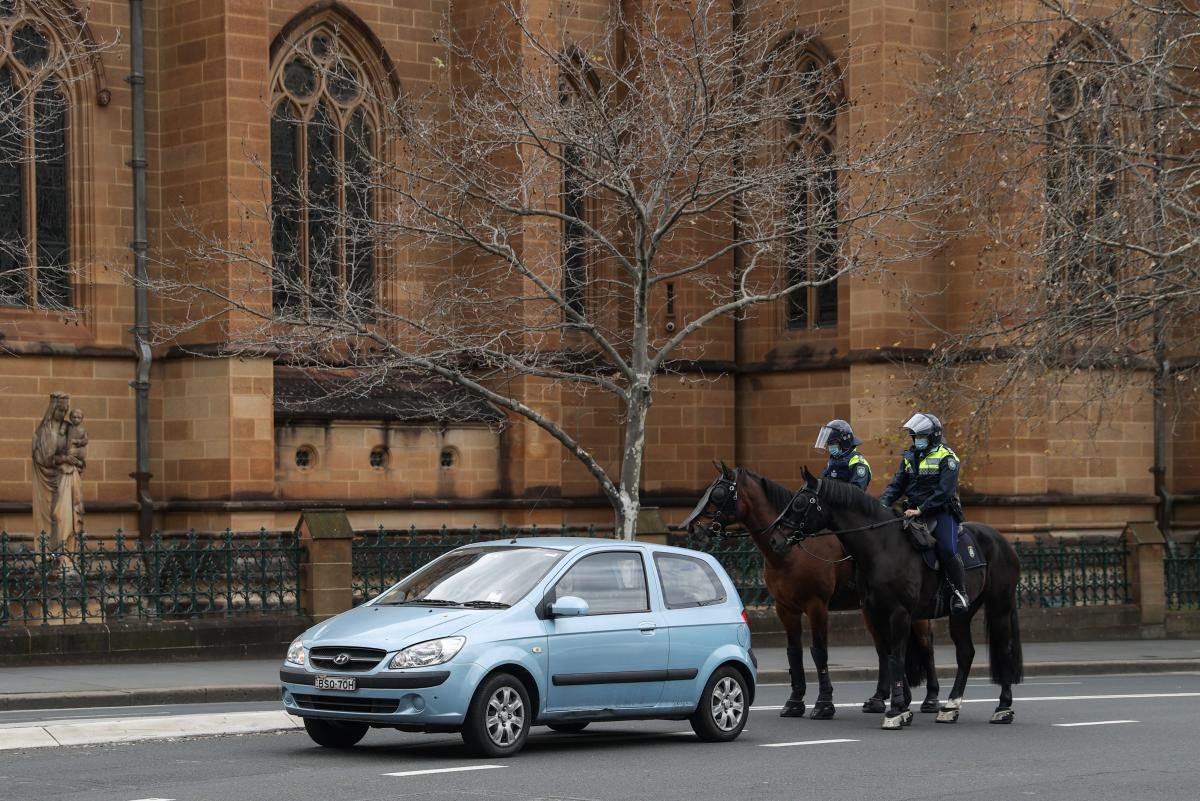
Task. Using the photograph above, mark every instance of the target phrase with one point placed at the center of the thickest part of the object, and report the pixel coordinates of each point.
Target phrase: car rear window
(687, 581)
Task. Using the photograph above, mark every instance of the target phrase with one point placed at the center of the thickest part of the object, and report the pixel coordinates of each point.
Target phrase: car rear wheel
(724, 707)
(335, 733)
(568, 728)
(499, 718)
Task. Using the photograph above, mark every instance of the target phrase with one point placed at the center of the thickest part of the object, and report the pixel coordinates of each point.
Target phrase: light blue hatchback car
(493, 638)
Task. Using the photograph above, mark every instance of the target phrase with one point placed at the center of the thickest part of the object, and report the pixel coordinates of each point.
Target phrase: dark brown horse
(810, 578)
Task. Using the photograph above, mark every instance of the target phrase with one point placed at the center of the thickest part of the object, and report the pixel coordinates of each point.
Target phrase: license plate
(336, 683)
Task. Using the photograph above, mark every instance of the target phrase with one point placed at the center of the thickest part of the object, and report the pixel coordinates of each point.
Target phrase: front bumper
(423, 698)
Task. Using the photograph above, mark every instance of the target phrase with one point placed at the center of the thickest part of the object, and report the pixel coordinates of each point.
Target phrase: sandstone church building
(229, 449)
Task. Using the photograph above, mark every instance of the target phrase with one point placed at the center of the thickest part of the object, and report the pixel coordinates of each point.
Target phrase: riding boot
(957, 578)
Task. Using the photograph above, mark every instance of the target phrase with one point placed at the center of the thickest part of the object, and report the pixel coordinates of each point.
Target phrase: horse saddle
(920, 532)
(968, 551)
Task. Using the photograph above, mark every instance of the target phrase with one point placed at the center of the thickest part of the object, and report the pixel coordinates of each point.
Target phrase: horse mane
(846, 495)
(778, 495)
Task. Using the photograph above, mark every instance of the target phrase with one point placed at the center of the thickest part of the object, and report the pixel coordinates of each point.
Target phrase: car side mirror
(569, 606)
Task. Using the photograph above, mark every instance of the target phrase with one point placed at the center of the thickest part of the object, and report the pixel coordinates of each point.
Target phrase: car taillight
(745, 618)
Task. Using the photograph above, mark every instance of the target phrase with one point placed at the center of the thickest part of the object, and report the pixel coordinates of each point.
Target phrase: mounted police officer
(928, 478)
(845, 462)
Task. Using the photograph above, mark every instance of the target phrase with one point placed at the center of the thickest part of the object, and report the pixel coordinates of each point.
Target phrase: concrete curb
(1034, 671)
(270, 692)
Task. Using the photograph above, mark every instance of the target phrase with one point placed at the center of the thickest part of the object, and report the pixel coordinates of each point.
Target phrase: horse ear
(809, 478)
(725, 471)
(717, 467)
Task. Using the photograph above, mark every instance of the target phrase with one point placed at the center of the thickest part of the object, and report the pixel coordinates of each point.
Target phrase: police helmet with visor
(923, 426)
(837, 433)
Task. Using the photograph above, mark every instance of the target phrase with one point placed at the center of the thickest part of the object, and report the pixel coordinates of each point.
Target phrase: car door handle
(647, 628)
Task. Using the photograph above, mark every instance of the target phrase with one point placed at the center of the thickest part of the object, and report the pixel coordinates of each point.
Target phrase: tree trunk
(631, 462)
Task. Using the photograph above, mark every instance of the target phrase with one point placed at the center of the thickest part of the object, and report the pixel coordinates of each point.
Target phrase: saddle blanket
(971, 554)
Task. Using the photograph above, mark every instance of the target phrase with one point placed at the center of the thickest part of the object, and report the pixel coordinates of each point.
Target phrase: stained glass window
(35, 212)
(813, 245)
(323, 148)
(1082, 132)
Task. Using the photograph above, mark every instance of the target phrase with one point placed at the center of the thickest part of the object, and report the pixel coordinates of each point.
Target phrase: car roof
(571, 543)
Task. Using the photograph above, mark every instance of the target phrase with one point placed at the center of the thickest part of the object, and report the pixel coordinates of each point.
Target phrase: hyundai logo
(341, 659)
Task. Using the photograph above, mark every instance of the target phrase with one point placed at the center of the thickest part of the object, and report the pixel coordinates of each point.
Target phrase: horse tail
(915, 657)
(1004, 633)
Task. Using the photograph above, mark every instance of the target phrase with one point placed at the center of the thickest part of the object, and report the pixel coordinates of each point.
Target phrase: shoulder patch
(951, 463)
(861, 470)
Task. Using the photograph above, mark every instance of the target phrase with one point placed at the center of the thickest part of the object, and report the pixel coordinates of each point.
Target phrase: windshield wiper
(421, 602)
(486, 605)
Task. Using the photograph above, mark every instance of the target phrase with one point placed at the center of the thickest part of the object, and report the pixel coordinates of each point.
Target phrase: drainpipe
(141, 325)
(738, 22)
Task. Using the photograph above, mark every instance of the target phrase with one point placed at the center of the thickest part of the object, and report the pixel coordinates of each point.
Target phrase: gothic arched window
(324, 141)
(1083, 170)
(574, 193)
(812, 248)
(35, 248)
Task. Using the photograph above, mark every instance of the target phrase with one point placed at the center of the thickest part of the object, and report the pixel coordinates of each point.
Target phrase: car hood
(393, 627)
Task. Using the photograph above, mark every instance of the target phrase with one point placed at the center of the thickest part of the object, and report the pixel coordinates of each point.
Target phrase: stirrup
(958, 600)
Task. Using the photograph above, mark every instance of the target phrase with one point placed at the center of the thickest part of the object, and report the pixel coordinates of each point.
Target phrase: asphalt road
(1091, 738)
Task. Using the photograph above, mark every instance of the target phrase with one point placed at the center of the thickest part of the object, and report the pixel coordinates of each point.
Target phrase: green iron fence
(171, 576)
(1072, 573)
(1181, 568)
(384, 556)
(1065, 573)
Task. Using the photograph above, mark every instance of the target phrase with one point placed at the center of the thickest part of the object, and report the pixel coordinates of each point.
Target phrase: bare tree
(533, 223)
(1076, 172)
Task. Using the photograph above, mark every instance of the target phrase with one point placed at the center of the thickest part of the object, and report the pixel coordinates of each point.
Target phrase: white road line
(444, 770)
(1122, 697)
(805, 742)
(1094, 723)
(1049, 683)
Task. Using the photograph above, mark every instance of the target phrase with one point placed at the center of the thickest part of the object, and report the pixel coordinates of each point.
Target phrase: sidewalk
(69, 686)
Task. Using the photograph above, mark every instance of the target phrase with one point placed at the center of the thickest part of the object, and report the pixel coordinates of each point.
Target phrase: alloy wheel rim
(505, 716)
(728, 704)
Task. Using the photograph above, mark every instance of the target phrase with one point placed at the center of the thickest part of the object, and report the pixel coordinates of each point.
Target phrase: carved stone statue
(59, 457)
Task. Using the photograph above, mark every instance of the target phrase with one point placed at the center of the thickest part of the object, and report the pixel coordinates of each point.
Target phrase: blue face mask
(920, 443)
(835, 451)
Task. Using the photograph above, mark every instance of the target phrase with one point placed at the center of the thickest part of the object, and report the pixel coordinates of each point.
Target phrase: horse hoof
(893, 722)
(931, 705)
(875, 706)
(1002, 716)
(792, 709)
(823, 711)
(947, 716)
(906, 718)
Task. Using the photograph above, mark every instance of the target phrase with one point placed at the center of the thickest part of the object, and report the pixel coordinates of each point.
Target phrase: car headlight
(297, 654)
(431, 652)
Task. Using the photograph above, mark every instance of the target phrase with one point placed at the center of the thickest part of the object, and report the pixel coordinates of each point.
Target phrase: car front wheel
(334, 733)
(499, 718)
(724, 707)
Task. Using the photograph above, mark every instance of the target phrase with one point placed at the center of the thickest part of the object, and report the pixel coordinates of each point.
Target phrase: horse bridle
(798, 504)
(722, 493)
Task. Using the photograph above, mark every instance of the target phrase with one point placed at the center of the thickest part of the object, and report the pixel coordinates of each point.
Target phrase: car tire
(335, 733)
(568, 728)
(724, 707)
(499, 718)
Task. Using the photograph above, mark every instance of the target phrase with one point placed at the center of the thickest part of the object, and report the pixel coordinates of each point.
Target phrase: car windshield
(481, 578)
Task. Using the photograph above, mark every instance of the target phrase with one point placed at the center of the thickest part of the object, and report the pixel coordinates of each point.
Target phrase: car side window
(688, 582)
(609, 582)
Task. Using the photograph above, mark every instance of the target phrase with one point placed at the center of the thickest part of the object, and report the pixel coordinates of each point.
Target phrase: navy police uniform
(930, 482)
(850, 467)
